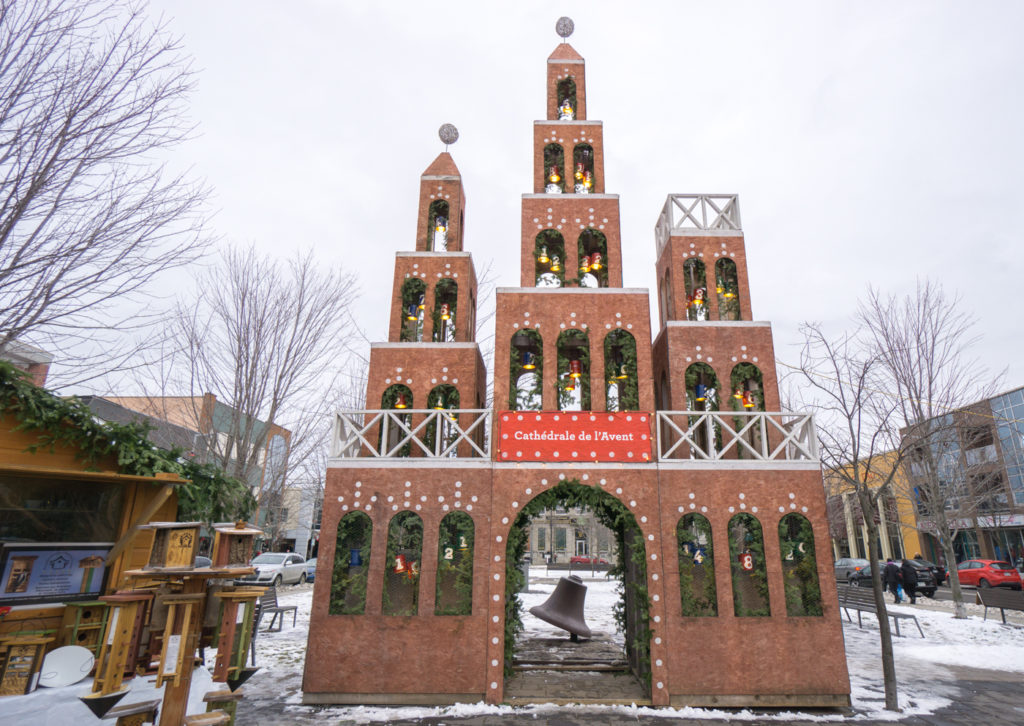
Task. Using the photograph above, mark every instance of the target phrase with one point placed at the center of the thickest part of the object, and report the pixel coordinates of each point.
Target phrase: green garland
(745, 538)
(348, 584)
(405, 535)
(454, 591)
(412, 330)
(726, 279)
(209, 496)
(610, 512)
(799, 566)
(693, 531)
(437, 208)
(565, 396)
(629, 388)
(446, 291)
(516, 370)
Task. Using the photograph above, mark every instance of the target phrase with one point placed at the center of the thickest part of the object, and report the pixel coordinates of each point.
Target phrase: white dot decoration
(632, 502)
(654, 576)
(341, 499)
(782, 509)
(643, 520)
(655, 598)
(657, 641)
(792, 495)
(803, 509)
(494, 618)
(497, 576)
(656, 618)
(732, 509)
(618, 490)
(704, 509)
(742, 495)
(658, 663)
(496, 598)
(494, 684)
(754, 510)
(661, 685)
(654, 556)
(504, 520)
(681, 509)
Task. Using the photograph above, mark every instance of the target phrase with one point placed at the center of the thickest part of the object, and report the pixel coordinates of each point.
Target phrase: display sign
(574, 436)
(57, 572)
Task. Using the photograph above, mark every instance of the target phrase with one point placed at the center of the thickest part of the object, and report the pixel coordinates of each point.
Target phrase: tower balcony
(455, 437)
(698, 214)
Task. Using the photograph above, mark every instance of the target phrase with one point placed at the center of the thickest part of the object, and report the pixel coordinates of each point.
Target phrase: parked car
(925, 579)
(937, 570)
(845, 566)
(276, 568)
(311, 569)
(201, 561)
(989, 573)
(583, 560)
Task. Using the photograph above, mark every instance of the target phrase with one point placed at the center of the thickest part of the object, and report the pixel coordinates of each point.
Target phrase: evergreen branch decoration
(209, 495)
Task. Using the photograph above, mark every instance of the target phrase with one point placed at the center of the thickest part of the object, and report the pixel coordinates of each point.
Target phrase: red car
(988, 573)
(581, 560)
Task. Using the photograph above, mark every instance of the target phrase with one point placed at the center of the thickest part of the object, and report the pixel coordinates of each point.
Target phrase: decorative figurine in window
(556, 264)
(588, 182)
(441, 233)
(554, 185)
(699, 304)
(596, 261)
(566, 111)
(579, 187)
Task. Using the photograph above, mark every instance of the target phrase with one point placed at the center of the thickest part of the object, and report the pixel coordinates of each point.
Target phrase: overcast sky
(870, 143)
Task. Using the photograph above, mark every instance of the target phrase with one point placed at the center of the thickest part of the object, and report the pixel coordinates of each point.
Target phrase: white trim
(573, 290)
(572, 197)
(420, 346)
(553, 60)
(719, 323)
(441, 177)
(432, 253)
(577, 122)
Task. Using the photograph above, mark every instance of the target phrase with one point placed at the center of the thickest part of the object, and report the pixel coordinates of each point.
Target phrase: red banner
(574, 436)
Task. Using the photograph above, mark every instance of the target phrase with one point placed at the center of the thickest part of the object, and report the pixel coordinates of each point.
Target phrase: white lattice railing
(708, 436)
(684, 213)
(735, 435)
(430, 433)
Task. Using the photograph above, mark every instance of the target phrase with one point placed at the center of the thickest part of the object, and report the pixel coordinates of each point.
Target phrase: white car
(275, 568)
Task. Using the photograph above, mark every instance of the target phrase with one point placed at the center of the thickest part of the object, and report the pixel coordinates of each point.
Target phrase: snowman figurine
(565, 111)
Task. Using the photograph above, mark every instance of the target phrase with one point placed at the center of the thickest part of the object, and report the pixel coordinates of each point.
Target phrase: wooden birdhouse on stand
(233, 544)
(174, 545)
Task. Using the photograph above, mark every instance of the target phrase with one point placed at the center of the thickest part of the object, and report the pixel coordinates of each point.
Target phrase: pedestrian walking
(909, 574)
(891, 578)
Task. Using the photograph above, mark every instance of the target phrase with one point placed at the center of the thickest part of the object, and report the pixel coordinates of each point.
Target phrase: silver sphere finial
(564, 27)
(448, 133)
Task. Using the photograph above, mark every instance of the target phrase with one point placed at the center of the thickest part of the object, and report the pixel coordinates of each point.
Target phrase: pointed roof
(564, 51)
(443, 165)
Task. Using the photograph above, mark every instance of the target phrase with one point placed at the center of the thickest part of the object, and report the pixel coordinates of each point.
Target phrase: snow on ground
(924, 667)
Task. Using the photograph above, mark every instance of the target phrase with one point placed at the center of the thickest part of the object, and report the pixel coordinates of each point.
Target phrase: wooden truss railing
(735, 435)
(706, 436)
(687, 213)
(400, 433)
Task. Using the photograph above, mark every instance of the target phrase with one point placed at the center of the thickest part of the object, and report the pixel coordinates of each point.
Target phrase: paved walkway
(980, 698)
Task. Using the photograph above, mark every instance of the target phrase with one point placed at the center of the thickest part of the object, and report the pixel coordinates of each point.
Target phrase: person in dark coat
(891, 578)
(909, 574)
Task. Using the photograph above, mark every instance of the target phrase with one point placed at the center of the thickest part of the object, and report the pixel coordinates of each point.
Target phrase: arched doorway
(592, 664)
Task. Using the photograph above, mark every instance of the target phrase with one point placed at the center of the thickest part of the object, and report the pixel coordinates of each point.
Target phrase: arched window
(667, 308)
(351, 563)
(621, 372)
(549, 259)
(393, 426)
(446, 295)
(444, 397)
(747, 388)
(554, 169)
(454, 595)
(696, 566)
(437, 226)
(402, 572)
(747, 395)
(799, 566)
(592, 250)
(573, 371)
(749, 576)
(526, 368)
(702, 394)
(696, 290)
(728, 288)
(414, 292)
(565, 97)
(583, 179)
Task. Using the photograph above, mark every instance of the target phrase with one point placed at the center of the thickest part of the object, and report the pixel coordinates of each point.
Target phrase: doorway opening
(541, 663)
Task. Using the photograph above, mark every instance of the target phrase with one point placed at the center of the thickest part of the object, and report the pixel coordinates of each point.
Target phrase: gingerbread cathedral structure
(723, 538)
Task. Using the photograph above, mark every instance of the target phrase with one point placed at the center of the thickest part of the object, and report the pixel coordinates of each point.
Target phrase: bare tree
(270, 340)
(924, 341)
(859, 444)
(90, 94)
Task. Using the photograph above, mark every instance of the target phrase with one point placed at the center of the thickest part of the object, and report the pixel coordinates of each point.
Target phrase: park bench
(863, 601)
(1004, 600)
(268, 604)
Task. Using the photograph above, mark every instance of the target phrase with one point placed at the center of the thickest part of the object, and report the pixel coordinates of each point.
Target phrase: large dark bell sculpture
(564, 609)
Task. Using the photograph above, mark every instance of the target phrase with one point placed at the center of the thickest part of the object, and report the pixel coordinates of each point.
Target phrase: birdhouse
(235, 631)
(233, 544)
(174, 545)
(180, 637)
(21, 659)
(120, 645)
